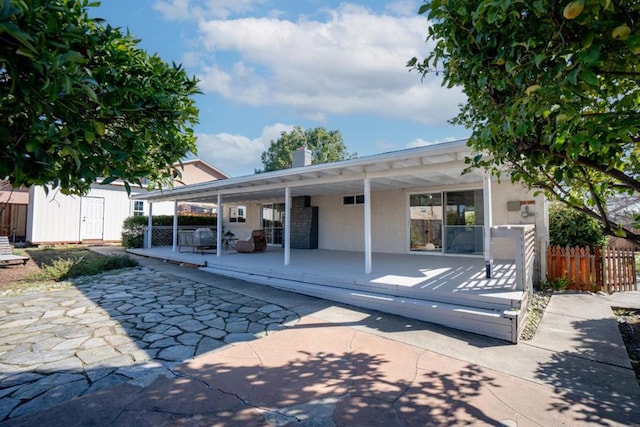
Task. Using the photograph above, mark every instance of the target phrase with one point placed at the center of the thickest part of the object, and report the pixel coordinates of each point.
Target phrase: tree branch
(585, 161)
(596, 199)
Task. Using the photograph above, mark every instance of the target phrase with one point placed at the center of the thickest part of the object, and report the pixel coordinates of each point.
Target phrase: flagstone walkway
(135, 325)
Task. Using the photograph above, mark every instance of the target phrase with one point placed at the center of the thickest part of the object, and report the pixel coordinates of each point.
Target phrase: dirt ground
(16, 277)
(14, 273)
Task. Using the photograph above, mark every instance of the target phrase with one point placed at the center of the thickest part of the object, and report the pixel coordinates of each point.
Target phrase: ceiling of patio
(421, 167)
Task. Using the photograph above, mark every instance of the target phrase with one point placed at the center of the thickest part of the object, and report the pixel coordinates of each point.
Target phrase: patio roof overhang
(421, 167)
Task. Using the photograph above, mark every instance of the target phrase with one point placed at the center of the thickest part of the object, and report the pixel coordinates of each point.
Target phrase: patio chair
(204, 238)
(256, 243)
(6, 253)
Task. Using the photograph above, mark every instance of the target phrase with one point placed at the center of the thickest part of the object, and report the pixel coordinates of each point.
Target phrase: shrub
(557, 284)
(133, 226)
(66, 268)
(133, 233)
(569, 227)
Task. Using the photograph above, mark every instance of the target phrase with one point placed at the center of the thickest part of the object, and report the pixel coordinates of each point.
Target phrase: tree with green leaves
(553, 93)
(570, 227)
(80, 102)
(326, 146)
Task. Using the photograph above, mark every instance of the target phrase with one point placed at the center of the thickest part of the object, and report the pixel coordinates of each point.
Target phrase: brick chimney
(301, 157)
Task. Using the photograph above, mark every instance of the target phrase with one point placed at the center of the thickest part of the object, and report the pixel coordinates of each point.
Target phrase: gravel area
(539, 301)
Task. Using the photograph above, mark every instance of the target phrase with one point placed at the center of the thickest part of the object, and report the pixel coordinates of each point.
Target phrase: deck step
(490, 299)
(501, 324)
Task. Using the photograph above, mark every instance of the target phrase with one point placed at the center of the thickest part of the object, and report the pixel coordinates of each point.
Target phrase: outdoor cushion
(256, 243)
(245, 246)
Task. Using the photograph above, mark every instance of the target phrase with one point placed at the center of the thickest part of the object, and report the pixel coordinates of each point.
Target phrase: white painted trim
(182, 193)
(150, 226)
(219, 213)
(488, 222)
(287, 226)
(376, 166)
(175, 226)
(367, 225)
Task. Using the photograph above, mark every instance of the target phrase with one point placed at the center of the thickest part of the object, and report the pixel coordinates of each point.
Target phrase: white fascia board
(345, 170)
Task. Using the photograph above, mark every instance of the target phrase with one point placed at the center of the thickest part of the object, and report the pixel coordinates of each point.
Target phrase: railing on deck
(524, 243)
(162, 235)
(609, 270)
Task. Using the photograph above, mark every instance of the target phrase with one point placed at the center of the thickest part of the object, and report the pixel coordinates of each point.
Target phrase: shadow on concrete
(132, 331)
(314, 389)
(584, 388)
(119, 327)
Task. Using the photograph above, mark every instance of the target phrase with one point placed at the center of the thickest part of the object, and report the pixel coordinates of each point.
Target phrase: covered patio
(366, 254)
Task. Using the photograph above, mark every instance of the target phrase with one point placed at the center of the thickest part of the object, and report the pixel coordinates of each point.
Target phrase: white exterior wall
(53, 218)
(242, 230)
(505, 192)
(159, 208)
(58, 218)
(340, 227)
(117, 207)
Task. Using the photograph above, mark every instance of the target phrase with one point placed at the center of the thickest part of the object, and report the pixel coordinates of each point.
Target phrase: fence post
(634, 286)
(597, 267)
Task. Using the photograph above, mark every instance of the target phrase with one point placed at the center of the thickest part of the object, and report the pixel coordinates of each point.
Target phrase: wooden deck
(442, 289)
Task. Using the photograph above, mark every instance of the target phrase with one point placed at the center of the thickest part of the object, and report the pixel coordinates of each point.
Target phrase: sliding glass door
(426, 222)
(464, 222)
(449, 222)
(273, 222)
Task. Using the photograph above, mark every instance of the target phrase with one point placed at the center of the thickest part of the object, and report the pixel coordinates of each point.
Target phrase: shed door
(92, 218)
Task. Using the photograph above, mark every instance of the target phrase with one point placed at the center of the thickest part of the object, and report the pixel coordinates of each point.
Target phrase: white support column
(287, 226)
(175, 225)
(220, 210)
(488, 223)
(149, 227)
(367, 225)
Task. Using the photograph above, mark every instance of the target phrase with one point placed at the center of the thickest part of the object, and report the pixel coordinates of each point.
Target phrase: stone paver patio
(117, 328)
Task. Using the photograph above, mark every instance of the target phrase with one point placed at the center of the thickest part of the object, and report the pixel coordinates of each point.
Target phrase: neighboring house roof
(193, 171)
(196, 171)
(426, 166)
(8, 194)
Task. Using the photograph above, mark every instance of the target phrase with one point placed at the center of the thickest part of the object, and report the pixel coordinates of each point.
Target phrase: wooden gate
(609, 270)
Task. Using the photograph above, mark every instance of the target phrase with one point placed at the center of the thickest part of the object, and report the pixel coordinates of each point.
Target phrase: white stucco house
(406, 232)
(98, 216)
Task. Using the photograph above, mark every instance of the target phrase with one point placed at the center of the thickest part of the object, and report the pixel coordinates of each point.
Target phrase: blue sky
(267, 65)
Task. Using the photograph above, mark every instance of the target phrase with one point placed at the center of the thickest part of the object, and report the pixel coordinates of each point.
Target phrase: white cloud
(404, 7)
(174, 9)
(237, 155)
(196, 10)
(351, 62)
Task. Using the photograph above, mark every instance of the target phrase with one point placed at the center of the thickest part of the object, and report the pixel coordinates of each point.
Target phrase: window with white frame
(350, 200)
(138, 208)
(238, 214)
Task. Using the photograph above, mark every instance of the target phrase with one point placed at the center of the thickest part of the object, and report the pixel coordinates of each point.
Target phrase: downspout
(488, 220)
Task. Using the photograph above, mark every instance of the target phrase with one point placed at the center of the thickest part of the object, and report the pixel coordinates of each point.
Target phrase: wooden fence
(609, 270)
